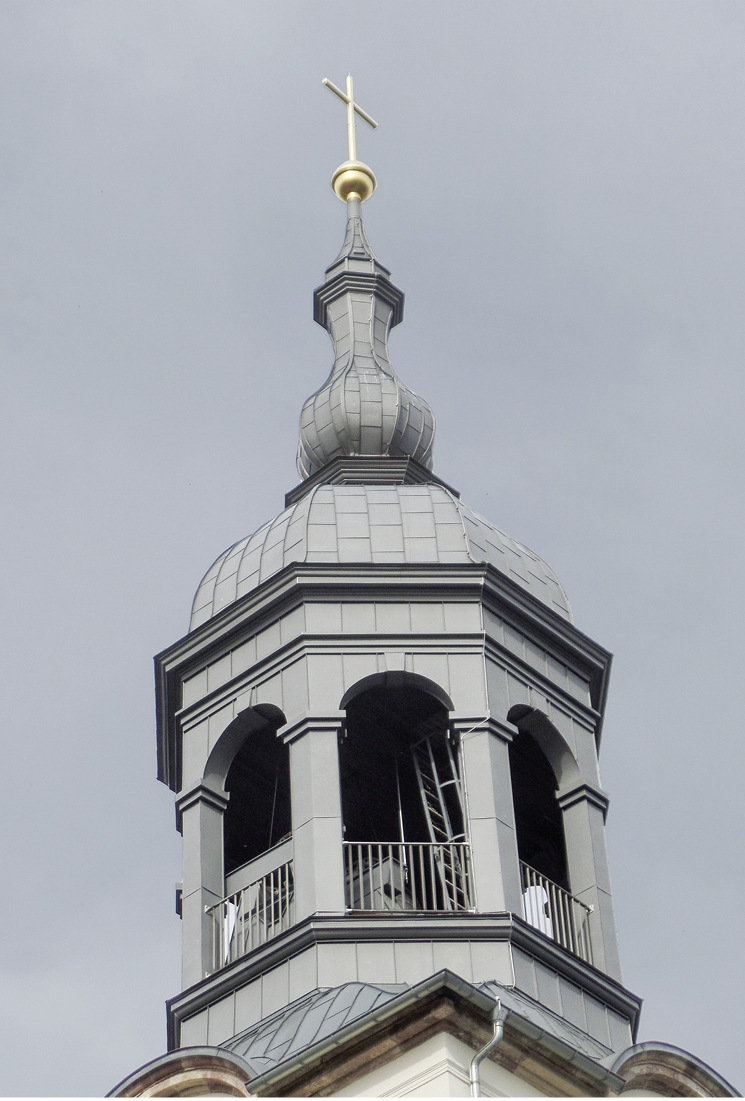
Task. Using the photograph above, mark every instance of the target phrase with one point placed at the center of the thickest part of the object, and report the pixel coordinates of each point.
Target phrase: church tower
(382, 733)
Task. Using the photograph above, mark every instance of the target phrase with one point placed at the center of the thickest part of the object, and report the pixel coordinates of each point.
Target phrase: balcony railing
(252, 916)
(407, 876)
(553, 911)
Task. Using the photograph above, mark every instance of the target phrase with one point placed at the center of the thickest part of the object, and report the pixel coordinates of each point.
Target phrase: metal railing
(553, 911)
(432, 876)
(252, 916)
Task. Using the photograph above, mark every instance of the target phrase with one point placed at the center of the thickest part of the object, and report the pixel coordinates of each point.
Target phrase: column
(584, 808)
(491, 821)
(318, 865)
(199, 816)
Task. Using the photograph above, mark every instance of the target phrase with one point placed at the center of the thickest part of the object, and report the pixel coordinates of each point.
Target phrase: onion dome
(363, 409)
(368, 494)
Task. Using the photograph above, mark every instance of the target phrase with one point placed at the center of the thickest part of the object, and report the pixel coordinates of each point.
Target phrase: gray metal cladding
(307, 1021)
(404, 524)
(363, 408)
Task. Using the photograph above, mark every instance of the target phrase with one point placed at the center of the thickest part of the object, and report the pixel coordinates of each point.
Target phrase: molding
(312, 724)
(503, 927)
(323, 580)
(280, 594)
(201, 793)
(368, 470)
(463, 727)
(541, 617)
(668, 1071)
(193, 1067)
(391, 582)
(584, 793)
(443, 1003)
(305, 644)
(360, 281)
(561, 697)
(548, 628)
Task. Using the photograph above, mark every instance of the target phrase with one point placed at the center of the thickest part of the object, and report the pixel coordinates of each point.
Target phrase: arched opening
(538, 822)
(538, 756)
(253, 766)
(402, 803)
(258, 814)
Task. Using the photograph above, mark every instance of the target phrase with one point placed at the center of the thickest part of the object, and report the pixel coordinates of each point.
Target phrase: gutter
(443, 983)
(489, 1046)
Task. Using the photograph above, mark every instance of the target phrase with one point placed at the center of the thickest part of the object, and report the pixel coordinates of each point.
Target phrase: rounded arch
(667, 1071)
(396, 731)
(540, 762)
(252, 765)
(262, 717)
(550, 741)
(397, 679)
(188, 1072)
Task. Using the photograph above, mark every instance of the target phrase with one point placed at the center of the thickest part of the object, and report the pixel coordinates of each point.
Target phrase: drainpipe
(486, 1049)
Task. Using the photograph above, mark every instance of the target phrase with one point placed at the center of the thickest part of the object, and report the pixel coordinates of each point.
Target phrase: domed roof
(405, 524)
(363, 407)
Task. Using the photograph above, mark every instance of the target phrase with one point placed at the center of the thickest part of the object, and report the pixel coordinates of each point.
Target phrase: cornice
(367, 581)
(385, 581)
(307, 644)
(310, 724)
(464, 726)
(361, 282)
(201, 793)
(346, 929)
(553, 692)
(444, 1002)
(584, 793)
(658, 1069)
(224, 1070)
(368, 470)
(545, 622)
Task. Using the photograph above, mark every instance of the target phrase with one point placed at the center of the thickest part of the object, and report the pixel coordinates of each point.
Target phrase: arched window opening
(402, 804)
(538, 821)
(258, 812)
(546, 899)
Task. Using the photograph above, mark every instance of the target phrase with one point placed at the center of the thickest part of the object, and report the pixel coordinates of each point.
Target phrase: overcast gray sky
(561, 198)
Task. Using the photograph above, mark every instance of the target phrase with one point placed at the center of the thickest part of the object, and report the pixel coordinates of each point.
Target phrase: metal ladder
(433, 782)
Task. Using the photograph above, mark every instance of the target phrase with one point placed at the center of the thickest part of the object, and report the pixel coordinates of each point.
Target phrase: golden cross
(352, 109)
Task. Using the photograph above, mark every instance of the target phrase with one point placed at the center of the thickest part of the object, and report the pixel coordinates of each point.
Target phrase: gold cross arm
(352, 109)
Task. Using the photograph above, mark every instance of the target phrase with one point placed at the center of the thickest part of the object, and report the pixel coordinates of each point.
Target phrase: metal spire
(363, 410)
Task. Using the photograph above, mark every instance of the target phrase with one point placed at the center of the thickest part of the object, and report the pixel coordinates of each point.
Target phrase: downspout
(486, 1049)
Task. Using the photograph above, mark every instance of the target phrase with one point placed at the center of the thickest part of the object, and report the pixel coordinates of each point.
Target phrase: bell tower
(382, 726)
(382, 732)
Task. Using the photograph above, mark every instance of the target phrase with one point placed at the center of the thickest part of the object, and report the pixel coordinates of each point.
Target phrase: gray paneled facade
(376, 599)
(382, 733)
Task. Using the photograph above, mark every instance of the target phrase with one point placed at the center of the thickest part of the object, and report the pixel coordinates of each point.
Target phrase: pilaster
(486, 775)
(199, 815)
(316, 816)
(584, 808)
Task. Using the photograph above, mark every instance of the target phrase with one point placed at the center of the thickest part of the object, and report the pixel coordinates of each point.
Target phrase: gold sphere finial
(353, 180)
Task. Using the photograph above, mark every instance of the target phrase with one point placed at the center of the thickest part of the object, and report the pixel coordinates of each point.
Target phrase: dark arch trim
(234, 735)
(550, 740)
(397, 679)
